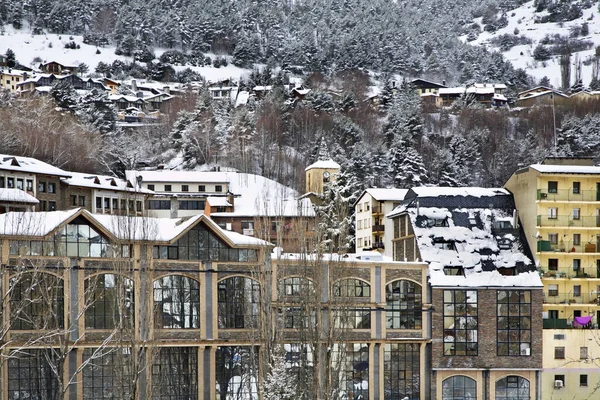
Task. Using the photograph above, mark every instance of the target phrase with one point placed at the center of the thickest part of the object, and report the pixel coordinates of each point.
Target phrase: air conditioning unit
(558, 384)
(526, 352)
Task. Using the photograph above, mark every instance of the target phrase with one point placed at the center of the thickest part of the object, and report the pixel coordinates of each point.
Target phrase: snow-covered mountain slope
(51, 47)
(522, 21)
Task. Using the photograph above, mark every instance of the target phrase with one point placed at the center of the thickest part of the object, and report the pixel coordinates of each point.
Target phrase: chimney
(444, 82)
(24, 76)
(134, 85)
(139, 95)
(167, 90)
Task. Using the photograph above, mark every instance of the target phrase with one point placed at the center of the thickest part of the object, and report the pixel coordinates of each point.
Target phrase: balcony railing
(567, 247)
(378, 228)
(567, 221)
(551, 297)
(568, 195)
(569, 272)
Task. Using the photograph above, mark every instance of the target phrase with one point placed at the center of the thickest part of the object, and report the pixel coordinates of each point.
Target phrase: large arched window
(512, 388)
(239, 302)
(296, 287)
(459, 387)
(349, 294)
(403, 310)
(36, 301)
(109, 302)
(176, 302)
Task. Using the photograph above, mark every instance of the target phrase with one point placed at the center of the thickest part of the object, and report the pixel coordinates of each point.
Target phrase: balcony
(378, 228)
(553, 297)
(567, 221)
(567, 247)
(570, 273)
(377, 210)
(568, 195)
(248, 231)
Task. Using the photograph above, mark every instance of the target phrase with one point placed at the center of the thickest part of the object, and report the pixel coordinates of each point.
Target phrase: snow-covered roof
(493, 85)
(566, 169)
(257, 196)
(129, 99)
(103, 182)
(387, 194)
(263, 88)
(437, 191)
(12, 71)
(27, 224)
(499, 97)
(29, 165)
(242, 98)
(164, 175)
(324, 164)
(452, 90)
(473, 231)
(218, 201)
(16, 196)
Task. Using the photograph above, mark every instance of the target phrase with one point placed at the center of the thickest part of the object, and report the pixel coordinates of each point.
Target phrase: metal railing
(552, 297)
(568, 195)
(568, 221)
(569, 272)
(567, 247)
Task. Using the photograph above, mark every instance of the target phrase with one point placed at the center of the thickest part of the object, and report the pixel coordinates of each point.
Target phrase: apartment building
(486, 295)
(373, 229)
(98, 305)
(559, 204)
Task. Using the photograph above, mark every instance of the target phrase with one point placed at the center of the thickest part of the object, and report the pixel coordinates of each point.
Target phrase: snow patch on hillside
(521, 56)
(51, 47)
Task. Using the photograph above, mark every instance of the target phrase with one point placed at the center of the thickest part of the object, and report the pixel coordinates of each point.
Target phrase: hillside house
(541, 95)
(43, 83)
(56, 68)
(10, 78)
(488, 94)
(427, 87)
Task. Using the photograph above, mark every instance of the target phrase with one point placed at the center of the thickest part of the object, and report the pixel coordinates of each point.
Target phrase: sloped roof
(324, 164)
(29, 165)
(470, 228)
(17, 196)
(174, 176)
(103, 182)
(29, 224)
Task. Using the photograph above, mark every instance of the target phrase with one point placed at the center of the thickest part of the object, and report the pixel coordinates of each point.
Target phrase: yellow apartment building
(558, 202)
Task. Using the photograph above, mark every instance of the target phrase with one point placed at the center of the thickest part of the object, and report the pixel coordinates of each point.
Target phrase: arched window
(351, 288)
(109, 302)
(239, 301)
(403, 310)
(295, 286)
(459, 387)
(512, 388)
(176, 302)
(36, 301)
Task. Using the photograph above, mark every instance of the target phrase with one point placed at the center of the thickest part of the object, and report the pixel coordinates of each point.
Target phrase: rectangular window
(159, 204)
(167, 188)
(138, 205)
(559, 353)
(201, 188)
(576, 213)
(51, 187)
(43, 205)
(514, 322)
(552, 290)
(20, 184)
(107, 203)
(98, 202)
(150, 187)
(553, 264)
(552, 213)
(218, 188)
(577, 290)
(73, 200)
(553, 238)
(576, 239)
(359, 224)
(82, 201)
(576, 187)
(185, 188)
(51, 206)
(10, 183)
(583, 380)
(29, 185)
(552, 187)
(460, 322)
(576, 264)
(560, 378)
(42, 187)
(115, 204)
(553, 314)
(583, 353)
(1, 182)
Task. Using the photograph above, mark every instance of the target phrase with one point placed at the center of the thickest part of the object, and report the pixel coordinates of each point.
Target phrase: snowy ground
(51, 47)
(523, 19)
